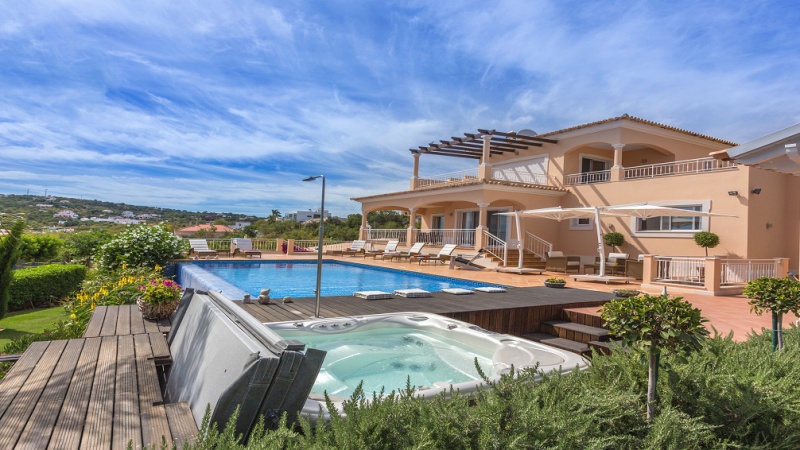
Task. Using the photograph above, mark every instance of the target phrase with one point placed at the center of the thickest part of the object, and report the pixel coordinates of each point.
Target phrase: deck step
(603, 348)
(557, 342)
(584, 316)
(575, 331)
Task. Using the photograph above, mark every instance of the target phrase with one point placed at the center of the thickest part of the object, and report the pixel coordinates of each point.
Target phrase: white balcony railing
(680, 270)
(448, 178)
(740, 271)
(537, 245)
(520, 177)
(460, 237)
(496, 246)
(258, 244)
(393, 234)
(600, 176)
(685, 167)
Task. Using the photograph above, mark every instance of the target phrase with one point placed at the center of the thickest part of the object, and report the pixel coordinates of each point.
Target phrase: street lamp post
(319, 245)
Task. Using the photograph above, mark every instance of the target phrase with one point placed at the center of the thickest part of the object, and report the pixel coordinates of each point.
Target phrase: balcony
(471, 175)
(685, 167)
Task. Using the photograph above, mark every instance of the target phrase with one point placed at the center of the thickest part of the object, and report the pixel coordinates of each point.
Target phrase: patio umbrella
(645, 211)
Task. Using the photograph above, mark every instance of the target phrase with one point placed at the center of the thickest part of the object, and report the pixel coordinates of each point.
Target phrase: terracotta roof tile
(466, 183)
(639, 120)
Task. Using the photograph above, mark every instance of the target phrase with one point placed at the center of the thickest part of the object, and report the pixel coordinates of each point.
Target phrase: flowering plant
(140, 246)
(555, 280)
(160, 290)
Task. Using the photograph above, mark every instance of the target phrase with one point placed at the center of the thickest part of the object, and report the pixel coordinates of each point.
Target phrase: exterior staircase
(529, 260)
(580, 330)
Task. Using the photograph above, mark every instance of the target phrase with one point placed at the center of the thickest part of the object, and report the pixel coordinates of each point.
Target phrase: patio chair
(415, 250)
(465, 263)
(615, 263)
(200, 248)
(442, 256)
(245, 247)
(557, 262)
(391, 246)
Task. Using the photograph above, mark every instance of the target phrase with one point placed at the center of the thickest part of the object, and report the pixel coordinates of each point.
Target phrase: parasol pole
(519, 239)
(600, 248)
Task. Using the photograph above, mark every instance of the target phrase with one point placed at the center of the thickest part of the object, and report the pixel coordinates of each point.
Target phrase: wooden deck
(100, 391)
(517, 311)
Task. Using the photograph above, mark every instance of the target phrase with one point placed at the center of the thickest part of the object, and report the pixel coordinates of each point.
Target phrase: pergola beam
(471, 146)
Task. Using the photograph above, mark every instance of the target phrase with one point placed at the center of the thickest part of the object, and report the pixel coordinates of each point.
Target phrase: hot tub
(433, 352)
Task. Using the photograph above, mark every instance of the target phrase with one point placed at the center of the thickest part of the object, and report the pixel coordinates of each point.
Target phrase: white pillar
(485, 169)
(412, 222)
(617, 171)
(415, 175)
(362, 232)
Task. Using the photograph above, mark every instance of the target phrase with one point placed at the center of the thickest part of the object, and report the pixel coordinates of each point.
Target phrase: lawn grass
(28, 322)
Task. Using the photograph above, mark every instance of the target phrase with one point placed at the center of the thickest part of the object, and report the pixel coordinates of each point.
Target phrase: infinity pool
(297, 279)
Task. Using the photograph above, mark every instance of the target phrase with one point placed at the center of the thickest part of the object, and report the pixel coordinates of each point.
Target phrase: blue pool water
(298, 279)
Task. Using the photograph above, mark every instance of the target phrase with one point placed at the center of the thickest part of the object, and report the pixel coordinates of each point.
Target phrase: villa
(617, 161)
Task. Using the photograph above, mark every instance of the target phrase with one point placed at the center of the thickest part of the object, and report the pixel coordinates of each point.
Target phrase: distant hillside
(39, 210)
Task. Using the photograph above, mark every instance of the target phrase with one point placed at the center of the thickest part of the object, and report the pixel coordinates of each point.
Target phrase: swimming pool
(432, 351)
(297, 279)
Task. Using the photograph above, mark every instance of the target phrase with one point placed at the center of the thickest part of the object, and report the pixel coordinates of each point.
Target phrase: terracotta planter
(555, 285)
(156, 312)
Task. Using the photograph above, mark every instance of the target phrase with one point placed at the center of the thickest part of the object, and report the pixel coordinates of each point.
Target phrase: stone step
(557, 342)
(575, 331)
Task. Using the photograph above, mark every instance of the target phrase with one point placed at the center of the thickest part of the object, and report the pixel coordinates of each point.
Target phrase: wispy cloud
(223, 105)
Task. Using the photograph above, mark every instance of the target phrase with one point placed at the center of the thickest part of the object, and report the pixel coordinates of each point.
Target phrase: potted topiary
(554, 282)
(159, 298)
(706, 240)
(614, 239)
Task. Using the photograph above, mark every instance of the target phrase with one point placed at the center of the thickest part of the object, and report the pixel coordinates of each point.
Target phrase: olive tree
(777, 295)
(614, 239)
(650, 324)
(706, 240)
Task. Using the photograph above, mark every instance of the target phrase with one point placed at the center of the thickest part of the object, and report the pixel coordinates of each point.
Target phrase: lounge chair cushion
(457, 291)
(412, 293)
(372, 295)
(490, 289)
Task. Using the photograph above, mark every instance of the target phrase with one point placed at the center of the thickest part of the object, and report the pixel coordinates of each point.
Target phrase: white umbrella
(645, 211)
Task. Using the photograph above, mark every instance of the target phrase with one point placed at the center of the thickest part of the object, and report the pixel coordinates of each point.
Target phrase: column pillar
(781, 267)
(485, 169)
(362, 232)
(412, 222)
(483, 217)
(415, 175)
(649, 268)
(617, 171)
(713, 275)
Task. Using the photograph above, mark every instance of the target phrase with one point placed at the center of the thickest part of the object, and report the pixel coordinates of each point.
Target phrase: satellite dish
(527, 132)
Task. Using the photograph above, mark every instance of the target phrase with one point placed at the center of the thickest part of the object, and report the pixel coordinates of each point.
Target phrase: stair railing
(495, 246)
(537, 245)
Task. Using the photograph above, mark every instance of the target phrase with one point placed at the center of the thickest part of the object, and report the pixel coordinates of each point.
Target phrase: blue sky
(226, 105)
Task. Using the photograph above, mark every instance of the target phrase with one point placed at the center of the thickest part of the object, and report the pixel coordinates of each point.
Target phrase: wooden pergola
(472, 144)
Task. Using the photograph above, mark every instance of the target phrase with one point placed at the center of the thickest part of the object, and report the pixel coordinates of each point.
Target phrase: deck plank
(160, 348)
(16, 417)
(127, 423)
(96, 322)
(181, 423)
(42, 421)
(19, 373)
(69, 427)
(97, 429)
(110, 322)
(153, 413)
(124, 320)
(150, 326)
(137, 321)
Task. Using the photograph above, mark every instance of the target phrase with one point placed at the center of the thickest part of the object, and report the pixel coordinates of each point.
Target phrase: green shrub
(40, 285)
(85, 244)
(140, 246)
(9, 255)
(39, 247)
(706, 240)
(614, 239)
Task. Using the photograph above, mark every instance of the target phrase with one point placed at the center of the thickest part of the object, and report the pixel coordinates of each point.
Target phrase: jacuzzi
(433, 352)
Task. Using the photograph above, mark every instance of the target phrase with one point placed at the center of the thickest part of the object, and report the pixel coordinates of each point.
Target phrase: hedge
(41, 285)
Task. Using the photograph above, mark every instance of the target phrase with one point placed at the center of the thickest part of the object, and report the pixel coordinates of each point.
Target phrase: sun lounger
(200, 248)
(355, 248)
(413, 251)
(245, 247)
(391, 246)
(462, 262)
(442, 256)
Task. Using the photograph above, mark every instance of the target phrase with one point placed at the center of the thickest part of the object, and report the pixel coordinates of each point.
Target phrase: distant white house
(66, 214)
(304, 216)
(107, 211)
(44, 205)
(147, 216)
(128, 214)
(240, 225)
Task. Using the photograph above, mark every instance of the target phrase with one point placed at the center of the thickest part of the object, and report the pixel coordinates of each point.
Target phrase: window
(677, 223)
(583, 223)
(594, 169)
